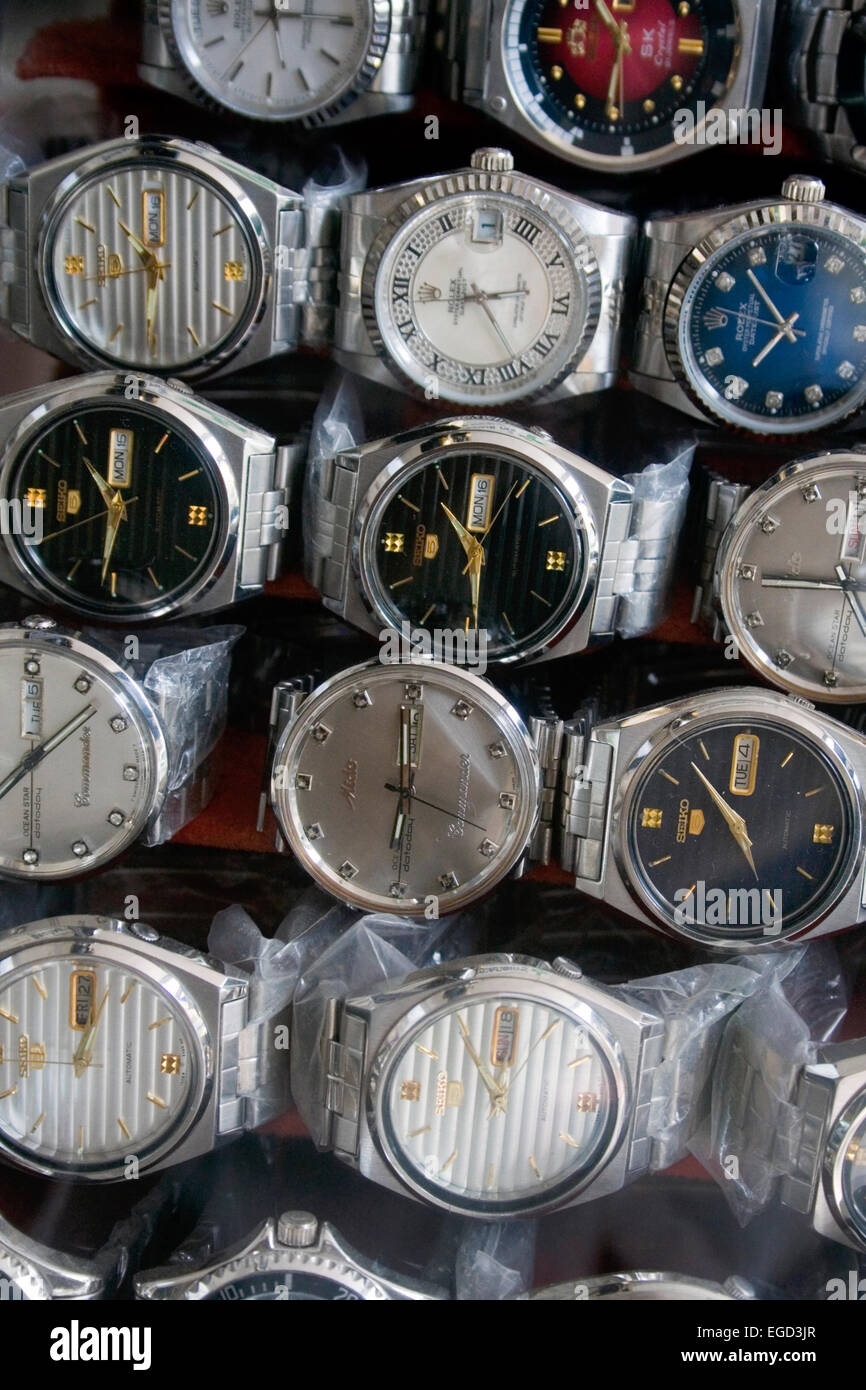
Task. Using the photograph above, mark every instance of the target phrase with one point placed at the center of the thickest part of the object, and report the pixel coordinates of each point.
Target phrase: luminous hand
(407, 768)
(490, 1085)
(104, 489)
(467, 540)
(735, 822)
(475, 558)
(146, 255)
(789, 332)
(84, 1050)
(115, 515)
(784, 331)
(36, 755)
(850, 589)
(481, 298)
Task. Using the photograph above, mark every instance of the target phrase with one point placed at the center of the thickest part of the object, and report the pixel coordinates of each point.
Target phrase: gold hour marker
(651, 818)
(552, 1029)
(555, 561)
(549, 519)
(80, 432)
(118, 330)
(10, 1092)
(580, 101)
(540, 597)
(156, 583)
(689, 893)
(786, 760)
(427, 614)
(192, 333)
(47, 459)
(442, 479)
(520, 491)
(677, 84)
(814, 791)
(670, 778)
(534, 1166)
(414, 1133)
(692, 46)
(556, 72)
(401, 498)
(112, 195)
(394, 542)
(507, 622)
(39, 987)
(114, 583)
(805, 873)
(128, 991)
(427, 1052)
(822, 834)
(123, 1129)
(87, 303)
(72, 573)
(192, 199)
(449, 1160)
(654, 863)
(410, 1090)
(10, 1018)
(491, 1176)
(398, 583)
(222, 308)
(703, 748)
(158, 1024)
(80, 1138)
(170, 1064)
(579, 1061)
(184, 477)
(649, 106)
(37, 1122)
(180, 550)
(567, 1139)
(155, 1100)
(86, 225)
(162, 444)
(227, 228)
(549, 35)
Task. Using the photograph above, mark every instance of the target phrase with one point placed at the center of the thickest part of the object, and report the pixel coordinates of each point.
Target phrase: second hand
(412, 795)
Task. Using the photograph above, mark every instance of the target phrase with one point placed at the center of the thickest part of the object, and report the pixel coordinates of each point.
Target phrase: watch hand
(407, 768)
(467, 540)
(780, 319)
(137, 270)
(85, 522)
(116, 514)
(611, 110)
(782, 332)
(848, 588)
(251, 40)
(482, 300)
(734, 821)
(782, 582)
(475, 554)
(146, 255)
(41, 751)
(765, 323)
(81, 1055)
(478, 545)
(607, 19)
(278, 39)
(452, 815)
(487, 1080)
(514, 1075)
(104, 489)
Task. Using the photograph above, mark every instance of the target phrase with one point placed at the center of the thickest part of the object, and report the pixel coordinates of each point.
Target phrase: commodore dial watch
(783, 572)
(482, 286)
(323, 62)
(117, 1041)
(609, 83)
(755, 316)
(161, 255)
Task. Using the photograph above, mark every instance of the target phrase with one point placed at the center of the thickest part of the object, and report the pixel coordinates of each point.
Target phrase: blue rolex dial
(772, 331)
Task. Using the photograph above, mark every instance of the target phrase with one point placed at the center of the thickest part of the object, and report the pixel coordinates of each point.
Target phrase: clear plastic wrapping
(661, 492)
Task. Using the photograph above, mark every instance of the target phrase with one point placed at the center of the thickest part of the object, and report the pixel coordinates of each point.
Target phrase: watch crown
(738, 1287)
(492, 160)
(803, 188)
(297, 1228)
(567, 968)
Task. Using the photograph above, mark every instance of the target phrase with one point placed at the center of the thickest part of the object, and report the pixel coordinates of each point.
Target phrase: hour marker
(692, 46)
(651, 818)
(687, 895)
(442, 479)
(80, 1138)
(649, 106)
(155, 1100)
(330, 57)
(211, 43)
(774, 400)
(448, 882)
(180, 550)
(654, 863)
(221, 307)
(37, 1122)
(534, 1166)
(814, 791)
(123, 1129)
(822, 834)
(398, 583)
(846, 370)
(427, 614)
(714, 356)
(183, 477)
(677, 83)
(549, 35)
(580, 101)
(117, 332)
(860, 333)
(520, 491)
(230, 77)
(447, 1164)
(269, 84)
(556, 72)
(10, 1092)
(833, 265)
(87, 303)
(549, 519)
(393, 542)
(127, 992)
(197, 515)
(79, 431)
(192, 333)
(47, 459)
(39, 987)
(112, 195)
(579, 1061)
(703, 748)
(491, 1176)
(80, 849)
(86, 225)
(169, 1064)
(507, 622)
(858, 295)
(196, 193)
(153, 578)
(540, 597)
(158, 1024)
(552, 1029)
(787, 759)
(754, 619)
(347, 869)
(757, 256)
(414, 1133)
(219, 231)
(669, 777)
(805, 873)
(567, 1139)
(304, 83)
(10, 1018)
(555, 560)
(410, 1090)
(427, 1052)
(401, 498)
(161, 445)
(114, 583)
(814, 395)
(725, 282)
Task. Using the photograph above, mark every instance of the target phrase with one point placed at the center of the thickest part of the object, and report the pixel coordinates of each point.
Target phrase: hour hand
(104, 489)
(467, 540)
(735, 822)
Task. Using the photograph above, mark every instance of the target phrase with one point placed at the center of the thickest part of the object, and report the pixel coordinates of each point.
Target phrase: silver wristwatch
(617, 88)
(824, 44)
(133, 1052)
(781, 574)
(482, 286)
(732, 818)
(642, 1286)
(351, 60)
(397, 537)
(499, 1086)
(292, 1258)
(101, 749)
(138, 500)
(755, 316)
(163, 255)
(30, 1271)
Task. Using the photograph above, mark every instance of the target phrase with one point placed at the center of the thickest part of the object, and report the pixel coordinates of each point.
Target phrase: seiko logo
(682, 822)
(350, 782)
(441, 1092)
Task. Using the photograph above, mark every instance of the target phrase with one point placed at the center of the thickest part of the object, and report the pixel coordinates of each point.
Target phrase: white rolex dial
(481, 297)
(275, 59)
(79, 762)
(498, 1104)
(96, 1062)
(151, 266)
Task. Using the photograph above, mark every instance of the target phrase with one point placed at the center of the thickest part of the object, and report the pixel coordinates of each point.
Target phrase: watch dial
(608, 80)
(96, 1063)
(854, 1174)
(772, 333)
(128, 506)
(78, 763)
(285, 1286)
(483, 297)
(499, 1105)
(794, 586)
(276, 62)
(470, 779)
(739, 829)
(478, 539)
(150, 265)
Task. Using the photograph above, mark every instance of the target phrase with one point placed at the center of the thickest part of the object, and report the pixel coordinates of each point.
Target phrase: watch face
(483, 297)
(402, 786)
(96, 1063)
(150, 265)
(772, 331)
(128, 504)
(80, 761)
(276, 62)
(479, 538)
(498, 1106)
(740, 830)
(285, 1286)
(794, 581)
(607, 81)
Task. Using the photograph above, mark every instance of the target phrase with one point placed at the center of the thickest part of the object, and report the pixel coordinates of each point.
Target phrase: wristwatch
(482, 286)
(140, 500)
(347, 60)
(163, 255)
(782, 573)
(499, 1086)
(824, 47)
(126, 745)
(644, 1287)
(804, 1123)
(490, 524)
(292, 1258)
(755, 316)
(127, 1052)
(692, 817)
(612, 86)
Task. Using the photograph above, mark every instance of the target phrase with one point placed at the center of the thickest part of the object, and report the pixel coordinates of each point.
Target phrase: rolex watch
(483, 522)
(692, 817)
(500, 1086)
(98, 751)
(782, 573)
(755, 316)
(317, 64)
(163, 255)
(824, 48)
(641, 1286)
(292, 1258)
(126, 1051)
(611, 83)
(483, 286)
(142, 500)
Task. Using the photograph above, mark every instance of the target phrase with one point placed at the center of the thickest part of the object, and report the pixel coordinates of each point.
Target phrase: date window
(120, 445)
(503, 1044)
(82, 992)
(31, 707)
(796, 260)
(744, 764)
(153, 216)
(487, 227)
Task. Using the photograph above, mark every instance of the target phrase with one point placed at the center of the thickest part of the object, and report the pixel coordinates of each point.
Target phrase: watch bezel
(810, 468)
(172, 154)
(156, 400)
(509, 982)
(696, 265)
(420, 449)
(835, 1162)
(546, 203)
(708, 711)
(498, 708)
(172, 20)
(635, 1286)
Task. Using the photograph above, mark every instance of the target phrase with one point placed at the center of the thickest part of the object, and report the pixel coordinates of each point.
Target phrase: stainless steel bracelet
(723, 500)
(587, 767)
(815, 33)
(269, 490)
(761, 1126)
(253, 1072)
(331, 489)
(463, 39)
(14, 258)
(546, 734)
(636, 565)
(286, 701)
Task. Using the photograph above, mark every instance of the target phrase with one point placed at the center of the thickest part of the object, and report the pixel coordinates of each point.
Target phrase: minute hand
(36, 755)
(735, 822)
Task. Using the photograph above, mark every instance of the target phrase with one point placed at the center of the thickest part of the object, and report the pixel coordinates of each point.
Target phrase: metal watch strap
(270, 485)
(254, 1071)
(286, 701)
(332, 511)
(815, 34)
(406, 45)
(14, 256)
(636, 565)
(759, 1128)
(723, 500)
(462, 39)
(584, 795)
